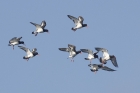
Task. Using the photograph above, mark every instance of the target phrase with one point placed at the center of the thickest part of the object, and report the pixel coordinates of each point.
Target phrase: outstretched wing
(113, 60)
(14, 39)
(87, 51)
(64, 49)
(43, 24)
(19, 38)
(81, 19)
(72, 47)
(37, 25)
(101, 49)
(74, 19)
(25, 49)
(107, 68)
(34, 50)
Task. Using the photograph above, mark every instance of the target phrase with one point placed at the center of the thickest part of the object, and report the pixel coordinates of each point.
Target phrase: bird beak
(87, 26)
(38, 54)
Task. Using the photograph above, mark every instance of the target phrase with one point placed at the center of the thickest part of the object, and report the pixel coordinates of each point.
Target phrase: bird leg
(95, 72)
(13, 47)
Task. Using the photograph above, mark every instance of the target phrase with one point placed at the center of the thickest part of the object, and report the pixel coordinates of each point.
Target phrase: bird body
(96, 67)
(72, 51)
(78, 22)
(39, 28)
(29, 53)
(15, 41)
(91, 55)
(107, 57)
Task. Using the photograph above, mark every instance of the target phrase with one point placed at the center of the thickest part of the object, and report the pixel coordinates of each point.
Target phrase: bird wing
(87, 51)
(43, 24)
(37, 25)
(107, 68)
(13, 40)
(25, 49)
(34, 49)
(64, 49)
(74, 19)
(81, 19)
(105, 52)
(101, 49)
(113, 60)
(72, 47)
(19, 38)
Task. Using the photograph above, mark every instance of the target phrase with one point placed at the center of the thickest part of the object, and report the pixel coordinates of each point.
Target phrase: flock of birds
(40, 28)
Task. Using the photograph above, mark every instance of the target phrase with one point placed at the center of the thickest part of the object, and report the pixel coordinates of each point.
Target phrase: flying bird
(30, 53)
(95, 67)
(107, 57)
(15, 41)
(91, 55)
(40, 28)
(72, 51)
(78, 22)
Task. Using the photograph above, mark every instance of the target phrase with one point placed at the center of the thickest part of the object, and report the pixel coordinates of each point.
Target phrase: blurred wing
(113, 60)
(74, 19)
(107, 68)
(101, 49)
(13, 40)
(35, 24)
(34, 50)
(72, 47)
(87, 51)
(43, 24)
(24, 48)
(64, 49)
(81, 19)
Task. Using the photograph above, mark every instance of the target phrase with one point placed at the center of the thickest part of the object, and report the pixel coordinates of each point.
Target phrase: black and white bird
(39, 28)
(30, 53)
(91, 55)
(78, 22)
(95, 67)
(72, 51)
(107, 57)
(15, 41)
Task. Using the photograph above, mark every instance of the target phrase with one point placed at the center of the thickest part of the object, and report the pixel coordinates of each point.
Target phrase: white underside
(72, 54)
(106, 56)
(39, 30)
(14, 43)
(90, 56)
(29, 54)
(78, 26)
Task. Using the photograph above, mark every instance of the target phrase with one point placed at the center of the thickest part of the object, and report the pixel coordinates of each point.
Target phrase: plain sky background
(113, 24)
